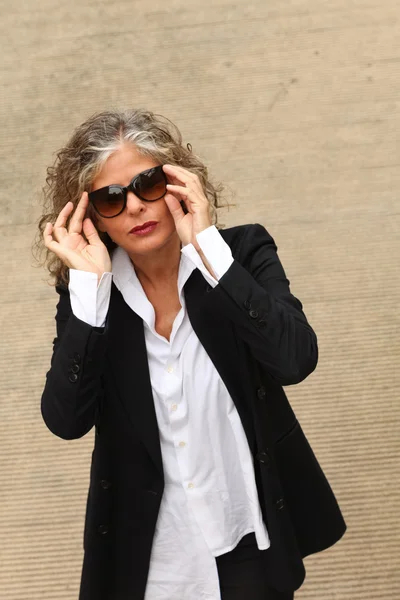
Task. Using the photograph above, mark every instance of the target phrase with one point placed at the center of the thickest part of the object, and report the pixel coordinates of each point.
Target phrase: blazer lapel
(128, 356)
(218, 338)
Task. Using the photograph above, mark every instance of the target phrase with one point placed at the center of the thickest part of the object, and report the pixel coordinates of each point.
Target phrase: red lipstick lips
(145, 228)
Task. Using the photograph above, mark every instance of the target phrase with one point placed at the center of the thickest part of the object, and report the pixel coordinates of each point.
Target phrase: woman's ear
(99, 226)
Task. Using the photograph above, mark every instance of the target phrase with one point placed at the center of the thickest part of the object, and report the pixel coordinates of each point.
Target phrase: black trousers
(242, 574)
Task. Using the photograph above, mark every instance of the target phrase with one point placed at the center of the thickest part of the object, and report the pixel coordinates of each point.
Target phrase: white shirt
(210, 497)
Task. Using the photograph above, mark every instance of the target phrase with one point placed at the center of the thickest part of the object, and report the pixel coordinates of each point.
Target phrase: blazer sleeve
(73, 388)
(255, 294)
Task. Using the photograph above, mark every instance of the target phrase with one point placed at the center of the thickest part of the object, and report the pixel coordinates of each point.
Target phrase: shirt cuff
(89, 301)
(215, 249)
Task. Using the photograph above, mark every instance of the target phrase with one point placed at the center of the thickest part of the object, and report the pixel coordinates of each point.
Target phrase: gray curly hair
(81, 159)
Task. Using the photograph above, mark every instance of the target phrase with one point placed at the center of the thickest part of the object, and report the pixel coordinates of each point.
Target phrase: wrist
(206, 263)
(199, 230)
(100, 275)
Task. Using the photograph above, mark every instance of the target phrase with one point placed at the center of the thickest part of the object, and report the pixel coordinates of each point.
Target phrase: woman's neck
(160, 269)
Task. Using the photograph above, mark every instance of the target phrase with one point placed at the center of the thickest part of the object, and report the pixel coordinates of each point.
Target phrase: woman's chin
(151, 243)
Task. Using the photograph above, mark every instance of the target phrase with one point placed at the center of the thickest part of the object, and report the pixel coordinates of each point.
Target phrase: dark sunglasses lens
(109, 202)
(151, 185)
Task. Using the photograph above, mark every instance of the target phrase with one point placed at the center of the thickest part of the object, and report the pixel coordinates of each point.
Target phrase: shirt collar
(127, 282)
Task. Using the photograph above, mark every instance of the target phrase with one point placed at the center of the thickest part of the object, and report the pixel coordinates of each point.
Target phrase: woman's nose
(134, 204)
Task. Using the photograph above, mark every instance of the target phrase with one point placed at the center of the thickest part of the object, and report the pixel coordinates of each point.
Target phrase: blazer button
(105, 484)
(77, 357)
(263, 458)
(261, 393)
(75, 368)
(253, 314)
(262, 324)
(102, 529)
(247, 305)
(73, 377)
(280, 503)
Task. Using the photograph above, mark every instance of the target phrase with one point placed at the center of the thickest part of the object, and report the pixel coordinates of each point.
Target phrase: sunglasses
(149, 185)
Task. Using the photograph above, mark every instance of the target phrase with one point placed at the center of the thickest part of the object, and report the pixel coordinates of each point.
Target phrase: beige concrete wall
(295, 106)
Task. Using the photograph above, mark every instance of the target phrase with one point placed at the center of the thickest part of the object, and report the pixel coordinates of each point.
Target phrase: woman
(174, 340)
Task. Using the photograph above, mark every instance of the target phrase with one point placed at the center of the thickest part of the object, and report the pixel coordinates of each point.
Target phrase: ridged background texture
(295, 106)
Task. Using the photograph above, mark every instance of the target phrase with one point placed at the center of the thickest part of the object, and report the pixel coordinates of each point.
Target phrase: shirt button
(174, 407)
(170, 369)
(182, 444)
(191, 486)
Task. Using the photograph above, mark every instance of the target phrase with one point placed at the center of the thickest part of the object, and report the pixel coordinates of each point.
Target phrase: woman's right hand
(71, 247)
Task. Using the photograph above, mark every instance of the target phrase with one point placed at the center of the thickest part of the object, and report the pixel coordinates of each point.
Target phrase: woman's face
(120, 168)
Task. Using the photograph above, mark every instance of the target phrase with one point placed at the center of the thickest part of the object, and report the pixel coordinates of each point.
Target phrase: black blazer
(257, 336)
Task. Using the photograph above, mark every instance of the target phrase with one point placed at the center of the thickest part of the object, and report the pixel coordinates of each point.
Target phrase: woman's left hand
(186, 186)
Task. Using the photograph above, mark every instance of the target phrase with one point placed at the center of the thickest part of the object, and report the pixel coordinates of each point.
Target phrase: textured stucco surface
(295, 106)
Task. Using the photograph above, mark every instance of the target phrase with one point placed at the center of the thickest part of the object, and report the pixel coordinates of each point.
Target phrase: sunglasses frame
(131, 187)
